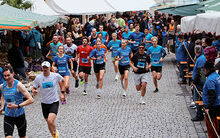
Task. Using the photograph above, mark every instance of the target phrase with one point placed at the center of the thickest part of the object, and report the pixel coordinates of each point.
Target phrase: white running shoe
(124, 95)
(192, 104)
(116, 77)
(142, 102)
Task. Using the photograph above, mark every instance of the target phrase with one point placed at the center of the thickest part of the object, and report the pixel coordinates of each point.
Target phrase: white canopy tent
(131, 5)
(80, 7)
(208, 22)
(89, 7)
(40, 7)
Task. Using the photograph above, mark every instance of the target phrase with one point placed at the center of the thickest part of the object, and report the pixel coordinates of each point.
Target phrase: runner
(12, 98)
(140, 63)
(54, 47)
(70, 50)
(113, 45)
(83, 52)
(136, 38)
(123, 56)
(93, 36)
(47, 81)
(147, 39)
(157, 54)
(98, 55)
(61, 60)
(126, 35)
(104, 33)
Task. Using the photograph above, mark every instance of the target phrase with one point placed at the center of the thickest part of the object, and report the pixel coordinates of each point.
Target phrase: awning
(43, 20)
(211, 6)
(184, 10)
(9, 23)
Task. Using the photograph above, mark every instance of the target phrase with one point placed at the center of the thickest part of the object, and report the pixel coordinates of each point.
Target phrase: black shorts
(98, 67)
(156, 68)
(74, 66)
(49, 108)
(123, 68)
(84, 69)
(20, 123)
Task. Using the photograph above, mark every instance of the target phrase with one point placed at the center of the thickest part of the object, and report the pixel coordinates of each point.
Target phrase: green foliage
(20, 4)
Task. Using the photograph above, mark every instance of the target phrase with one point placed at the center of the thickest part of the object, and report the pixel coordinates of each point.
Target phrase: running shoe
(81, 82)
(116, 77)
(192, 104)
(97, 85)
(142, 102)
(68, 91)
(98, 96)
(156, 90)
(56, 135)
(84, 93)
(77, 83)
(124, 95)
(63, 102)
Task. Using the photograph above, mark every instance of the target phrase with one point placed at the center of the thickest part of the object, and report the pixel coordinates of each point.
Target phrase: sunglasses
(141, 47)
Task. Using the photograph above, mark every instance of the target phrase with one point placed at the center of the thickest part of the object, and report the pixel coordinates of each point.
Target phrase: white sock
(99, 90)
(141, 98)
(85, 85)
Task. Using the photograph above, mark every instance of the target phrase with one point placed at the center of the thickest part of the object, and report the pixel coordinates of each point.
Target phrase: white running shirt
(48, 87)
(70, 50)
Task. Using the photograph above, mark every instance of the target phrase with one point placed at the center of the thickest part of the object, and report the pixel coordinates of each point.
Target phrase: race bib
(47, 85)
(10, 99)
(141, 64)
(85, 60)
(62, 69)
(136, 44)
(125, 60)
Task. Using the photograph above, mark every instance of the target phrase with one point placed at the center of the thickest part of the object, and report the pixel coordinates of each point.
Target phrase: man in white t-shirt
(70, 50)
(48, 82)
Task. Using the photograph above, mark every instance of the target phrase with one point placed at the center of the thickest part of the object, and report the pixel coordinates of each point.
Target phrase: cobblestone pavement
(164, 115)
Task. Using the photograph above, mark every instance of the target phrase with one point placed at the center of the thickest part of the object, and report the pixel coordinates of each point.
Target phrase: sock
(99, 91)
(85, 85)
(141, 98)
(122, 85)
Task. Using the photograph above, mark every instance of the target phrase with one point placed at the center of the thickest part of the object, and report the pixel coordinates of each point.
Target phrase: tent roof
(208, 22)
(9, 23)
(89, 7)
(183, 10)
(128, 5)
(43, 20)
(40, 7)
(80, 7)
(212, 6)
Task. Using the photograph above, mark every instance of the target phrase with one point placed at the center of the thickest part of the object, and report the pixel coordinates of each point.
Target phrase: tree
(20, 4)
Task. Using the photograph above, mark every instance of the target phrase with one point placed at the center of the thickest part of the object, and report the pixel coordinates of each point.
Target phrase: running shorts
(74, 66)
(49, 108)
(84, 69)
(98, 67)
(139, 78)
(20, 123)
(156, 68)
(123, 68)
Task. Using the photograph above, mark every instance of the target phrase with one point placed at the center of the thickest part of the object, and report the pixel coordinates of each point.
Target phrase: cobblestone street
(164, 115)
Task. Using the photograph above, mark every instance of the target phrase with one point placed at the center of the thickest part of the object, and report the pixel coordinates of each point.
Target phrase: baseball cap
(46, 63)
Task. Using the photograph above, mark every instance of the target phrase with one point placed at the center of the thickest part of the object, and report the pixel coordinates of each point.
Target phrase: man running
(54, 47)
(114, 45)
(104, 33)
(70, 50)
(157, 54)
(140, 63)
(62, 60)
(136, 38)
(47, 82)
(12, 98)
(83, 52)
(124, 55)
(98, 55)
